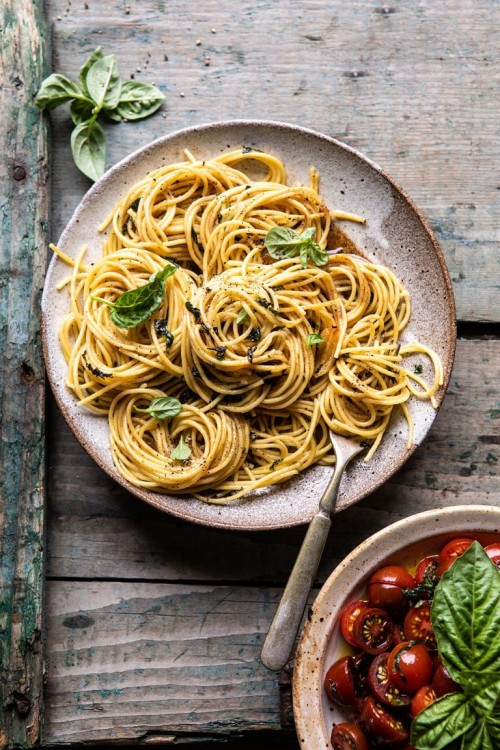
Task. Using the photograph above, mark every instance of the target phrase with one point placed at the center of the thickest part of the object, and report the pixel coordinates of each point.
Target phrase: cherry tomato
(442, 682)
(417, 625)
(493, 551)
(426, 568)
(399, 634)
(360, 666)
(373, 630)
(422, 698)
(409, 666)
(381, 724)
(450, 552)
(380, 685)
(386, 586)
(347, 617)
(339, 682)
(349, 736)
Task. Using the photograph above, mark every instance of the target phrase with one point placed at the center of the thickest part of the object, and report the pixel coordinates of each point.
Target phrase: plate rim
(150, 497)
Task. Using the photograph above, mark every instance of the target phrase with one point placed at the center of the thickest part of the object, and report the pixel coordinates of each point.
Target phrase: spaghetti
(265, 354)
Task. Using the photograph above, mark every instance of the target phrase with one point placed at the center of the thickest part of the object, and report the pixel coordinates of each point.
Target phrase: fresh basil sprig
(283, 242)
(135, 306)
(99, 90)
(164, 407)
(466, 620)
(181, 452)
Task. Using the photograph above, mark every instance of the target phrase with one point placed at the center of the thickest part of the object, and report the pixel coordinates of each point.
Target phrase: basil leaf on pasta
(138, 100)
(135, 306)
(181, 452)
(165, 407)
(88, 145)
(243, 316)
(312, 339)
(283, 242)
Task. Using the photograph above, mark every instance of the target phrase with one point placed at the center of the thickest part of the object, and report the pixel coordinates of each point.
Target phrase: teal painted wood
(23, 171)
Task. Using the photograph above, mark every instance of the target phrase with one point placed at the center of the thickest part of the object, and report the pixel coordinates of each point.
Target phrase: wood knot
(27, 373)
(22, 703)
(19, 173)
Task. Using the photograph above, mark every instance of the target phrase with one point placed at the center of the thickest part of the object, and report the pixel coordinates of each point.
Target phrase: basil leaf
(483, 690)
(112, 114)
(465, 614)
(57, 90)
(282, 242)
(82, 78)
(442, 722)
(314, 338)
(103, 82)
(81, 110)
(88, 144)
(135, 306)
(481, 737)
(164, 407)
(243, 316)
(181, 452)
(138, 100)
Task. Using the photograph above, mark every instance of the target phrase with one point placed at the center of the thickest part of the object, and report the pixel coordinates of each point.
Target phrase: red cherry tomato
(409, 666)
(339, 682)
(426, 568)
(380, 685)
(349, 736)
(417, 625)
(360, 665)
(422, 698)
(399, 634)
(442, 682)
(381, 724)
(373, 630)
(493, 551)
(386, 586)
(347, 617)
(450, 552)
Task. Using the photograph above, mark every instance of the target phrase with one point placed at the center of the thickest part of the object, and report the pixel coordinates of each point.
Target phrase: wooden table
(151, 628)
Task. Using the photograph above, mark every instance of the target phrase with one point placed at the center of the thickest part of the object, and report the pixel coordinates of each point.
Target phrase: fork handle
(285, 625)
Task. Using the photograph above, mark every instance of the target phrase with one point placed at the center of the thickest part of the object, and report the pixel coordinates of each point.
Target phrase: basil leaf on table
(283, 242)
(465, 614)
(57, 90)
(88, 145)
(442, 722)
(81, 110)
(138, 100)
(181, 452)
(82, 77)
(103, 82)
(164, 407)
(135, 306)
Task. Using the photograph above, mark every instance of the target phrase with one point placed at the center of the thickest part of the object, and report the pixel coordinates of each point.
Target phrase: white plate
(395, 234)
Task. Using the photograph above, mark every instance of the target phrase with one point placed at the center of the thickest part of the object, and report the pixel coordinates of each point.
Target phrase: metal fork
(281, 636)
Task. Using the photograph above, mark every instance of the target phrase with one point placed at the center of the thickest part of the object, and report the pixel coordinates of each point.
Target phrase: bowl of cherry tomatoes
(367, 662)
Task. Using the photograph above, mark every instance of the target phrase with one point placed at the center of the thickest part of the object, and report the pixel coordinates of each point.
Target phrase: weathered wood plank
(98, 530)
(412, 85)
(132, 662)
(23, 145)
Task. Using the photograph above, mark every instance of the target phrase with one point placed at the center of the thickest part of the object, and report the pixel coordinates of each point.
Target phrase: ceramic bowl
(404, 542)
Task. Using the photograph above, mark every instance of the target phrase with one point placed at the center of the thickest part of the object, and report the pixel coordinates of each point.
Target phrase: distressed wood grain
(23, 198)
(413, 85)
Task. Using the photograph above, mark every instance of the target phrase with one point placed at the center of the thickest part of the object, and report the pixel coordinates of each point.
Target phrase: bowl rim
(323, 615)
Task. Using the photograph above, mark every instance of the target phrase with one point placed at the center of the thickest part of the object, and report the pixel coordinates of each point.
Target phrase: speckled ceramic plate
(395, 234)
(404, 543)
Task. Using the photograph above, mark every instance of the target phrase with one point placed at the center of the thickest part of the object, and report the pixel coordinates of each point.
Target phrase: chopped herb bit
(418, 369)
(204, 328)
(249, 149)
(398, 349)
(312, 339)
(254, 335)
(187, 395)
(195, 310)
(219, 218)
(263, 302)
(365, 444)
(161, 326)
(196, 372)
(275, 463)
(278, 288)
(250, 353)
(95, 370)
(215, 329)
(220, 352)
(135, 204)
(169, 339)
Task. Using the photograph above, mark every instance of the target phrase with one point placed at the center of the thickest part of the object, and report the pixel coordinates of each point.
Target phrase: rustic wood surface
(23, 246)
(154, 626)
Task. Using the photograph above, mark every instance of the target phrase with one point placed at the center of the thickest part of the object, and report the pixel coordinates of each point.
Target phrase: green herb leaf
(164, 407)
(57, 90)
(312, 339)
(481, 737)
(81, 110)
(243, 316)
(88, 144)
(82, 78)
(442, 722)
(465, 614)
(181, 452)
(103, 82)
(483, 690)
(283, 242)
(135, 306)
(138, 100)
